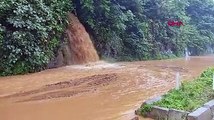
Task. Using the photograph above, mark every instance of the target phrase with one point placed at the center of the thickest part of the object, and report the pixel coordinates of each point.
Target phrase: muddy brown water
(96, 91)
(81, 47)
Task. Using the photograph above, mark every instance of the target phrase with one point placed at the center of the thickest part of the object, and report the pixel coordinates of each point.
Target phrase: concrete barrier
(158, 113)
(206, 112)
(201, 113)
(210, 105)
(177, 114)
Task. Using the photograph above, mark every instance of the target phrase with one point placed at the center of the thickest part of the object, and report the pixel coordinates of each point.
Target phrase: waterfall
(186, 54)
(79, 48)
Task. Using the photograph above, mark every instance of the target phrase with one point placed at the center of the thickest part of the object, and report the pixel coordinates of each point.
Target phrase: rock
(67, 57)
(135, 118)
(137, 112)
(56, 62)
(202, 113)
(177, 114)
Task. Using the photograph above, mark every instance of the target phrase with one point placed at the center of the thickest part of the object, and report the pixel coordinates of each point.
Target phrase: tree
(30, 33)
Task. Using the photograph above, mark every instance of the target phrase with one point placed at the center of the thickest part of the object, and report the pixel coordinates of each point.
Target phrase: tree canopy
(138, 30)
(31, 30)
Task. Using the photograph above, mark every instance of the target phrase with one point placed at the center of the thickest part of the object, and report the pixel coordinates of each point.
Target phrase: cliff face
(79, 48)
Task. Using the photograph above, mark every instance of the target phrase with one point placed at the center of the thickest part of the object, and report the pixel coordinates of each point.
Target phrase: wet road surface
(96, 91)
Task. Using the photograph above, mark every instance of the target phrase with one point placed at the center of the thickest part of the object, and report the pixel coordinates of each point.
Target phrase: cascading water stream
(78, 48)
(81, 47)
(187, 54)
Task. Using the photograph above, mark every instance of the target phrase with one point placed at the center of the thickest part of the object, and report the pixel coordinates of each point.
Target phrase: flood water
(96, 91)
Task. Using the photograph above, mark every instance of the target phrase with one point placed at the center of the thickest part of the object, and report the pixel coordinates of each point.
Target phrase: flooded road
(96, 91)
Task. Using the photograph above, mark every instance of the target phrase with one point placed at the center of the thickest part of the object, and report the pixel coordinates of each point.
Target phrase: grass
(190, 96)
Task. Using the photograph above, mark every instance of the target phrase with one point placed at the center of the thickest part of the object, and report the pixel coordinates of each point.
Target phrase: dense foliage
(201, 13)
(190, 96)
(138, 30)
(30, 31)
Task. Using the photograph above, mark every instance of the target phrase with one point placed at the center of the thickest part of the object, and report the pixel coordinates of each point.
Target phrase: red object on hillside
(175, 23)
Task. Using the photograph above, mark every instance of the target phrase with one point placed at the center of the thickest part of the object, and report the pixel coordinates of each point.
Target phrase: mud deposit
(81, 85)
(96, 91)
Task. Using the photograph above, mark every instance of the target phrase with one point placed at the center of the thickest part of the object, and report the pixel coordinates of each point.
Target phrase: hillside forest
(32, 31)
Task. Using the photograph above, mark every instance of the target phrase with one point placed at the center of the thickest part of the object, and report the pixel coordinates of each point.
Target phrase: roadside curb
(206, 112)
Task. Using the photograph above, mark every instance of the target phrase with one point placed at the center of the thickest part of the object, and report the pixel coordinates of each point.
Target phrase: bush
(30, 32)
(190, 96)
(138, 30)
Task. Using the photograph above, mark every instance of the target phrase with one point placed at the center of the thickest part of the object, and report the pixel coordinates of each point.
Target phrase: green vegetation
(138, 30)
(190, 96)
(145, 109)
(31, 30)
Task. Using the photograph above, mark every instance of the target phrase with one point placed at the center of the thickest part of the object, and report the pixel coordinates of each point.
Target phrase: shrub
(30, 32)
(190, 96)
